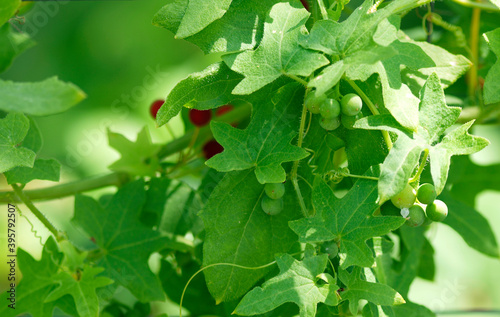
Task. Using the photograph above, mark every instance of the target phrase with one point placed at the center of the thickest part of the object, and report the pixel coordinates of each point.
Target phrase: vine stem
(372, 108)
(322, 9)
(479, 5)
(296, 163)
(421, 166)
(296, 78)
(359, 176)
(19, 192)
(473, 44)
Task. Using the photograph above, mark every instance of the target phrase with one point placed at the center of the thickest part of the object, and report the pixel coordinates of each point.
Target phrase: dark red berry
(212, 148)
(305, 3)
(222, 110)
(200, 117)
(155, 106)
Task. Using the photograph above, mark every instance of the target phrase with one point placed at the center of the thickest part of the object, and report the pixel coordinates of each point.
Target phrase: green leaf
(156, 197)
(434, 118)
(349, 221)
(239, 232)
(492, 81)
(357, 289)
(13, 129)
(412, 310)
(471, 226)
(199, 14)
(7, 9)
(139, 157)
(208, 89)
(33, 140)
(43, 98)
(265, 143)
(278, 53)
(297, 283)
(36, 284)
(46, 169)
(82, 289)
(240, 28)
(124, 243)
(11, 44)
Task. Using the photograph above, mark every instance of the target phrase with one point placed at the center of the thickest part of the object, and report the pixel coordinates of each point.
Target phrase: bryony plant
(319, 141)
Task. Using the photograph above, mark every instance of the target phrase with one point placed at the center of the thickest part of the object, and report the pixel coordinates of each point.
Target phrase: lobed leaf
(13, 129)
(491, 89)
(46, 169)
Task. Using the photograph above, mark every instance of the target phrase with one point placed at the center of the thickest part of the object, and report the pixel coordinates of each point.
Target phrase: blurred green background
(111, 50)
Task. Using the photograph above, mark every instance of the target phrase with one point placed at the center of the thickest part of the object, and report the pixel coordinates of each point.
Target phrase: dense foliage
(323, 147)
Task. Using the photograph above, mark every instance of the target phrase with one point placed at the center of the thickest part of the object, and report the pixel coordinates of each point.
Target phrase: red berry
(212, 148)
(222, 110)
(155, 106)
(200, 117)
(305, 4)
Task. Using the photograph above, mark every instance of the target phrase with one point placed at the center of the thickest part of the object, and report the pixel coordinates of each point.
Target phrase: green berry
(416, 217)
(331, 248)
(275, 191)
(271, 206)
(437, 211)
(330, 109)
(426, 193)
(330, 124)
(406, 198)
(313, 101)
(351, 104)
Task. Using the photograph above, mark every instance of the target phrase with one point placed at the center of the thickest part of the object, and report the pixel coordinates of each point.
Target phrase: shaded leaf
(492, 81)
(11, 45)
(46, 169)
(13, 129)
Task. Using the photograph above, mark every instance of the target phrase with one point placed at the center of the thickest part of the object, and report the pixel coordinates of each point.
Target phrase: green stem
(296, 163)
(372, 108)
(474, 47)
(322, 8)
(296, 78)
(421, 167)
(70, 189)
(359, 176)
(19, 192)
(479, 5)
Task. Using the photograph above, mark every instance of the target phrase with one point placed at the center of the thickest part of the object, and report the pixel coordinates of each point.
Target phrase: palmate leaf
(207, 89)
(82, 289)
(279, 52)
(348, 221)
(46, 169)
(240, 28)
(37, 283)
(297, 283)
(238, 231)
(265, 143)
(492, 81)
(124, 243)
(13, 129)
(357, 289)
(139, 157)
(42, 98)
(434, 118)
(370, 43)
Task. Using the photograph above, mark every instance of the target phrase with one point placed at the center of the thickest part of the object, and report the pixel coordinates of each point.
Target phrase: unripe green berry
(426, 193)
(271, 206)
(406, 198)
(437, 211)
(330, 109)
(348, 121)
(331, 248)
(416, 216)
(330, 124)
(351, 104)
(274, 191)
(313, 101)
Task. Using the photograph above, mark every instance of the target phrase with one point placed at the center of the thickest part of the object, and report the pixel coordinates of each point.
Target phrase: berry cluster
(412, 204)
(199, 118)
(272, 202)
(331, 110)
